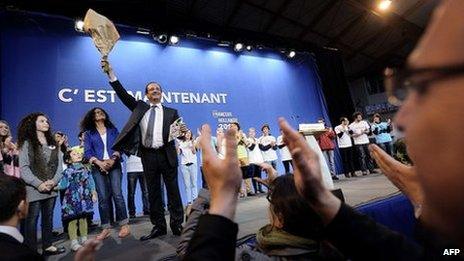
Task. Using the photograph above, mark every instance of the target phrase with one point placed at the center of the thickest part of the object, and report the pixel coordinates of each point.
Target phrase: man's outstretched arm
(126, 98)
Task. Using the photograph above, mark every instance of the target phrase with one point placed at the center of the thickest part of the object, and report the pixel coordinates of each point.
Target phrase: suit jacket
(93, 143)
(11, 250)
(129, 140)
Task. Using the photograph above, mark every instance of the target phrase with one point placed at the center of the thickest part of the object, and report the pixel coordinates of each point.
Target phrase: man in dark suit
(146, 134)
(13, 208)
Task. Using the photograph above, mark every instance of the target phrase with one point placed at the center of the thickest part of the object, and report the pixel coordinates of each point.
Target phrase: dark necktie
(151, 126)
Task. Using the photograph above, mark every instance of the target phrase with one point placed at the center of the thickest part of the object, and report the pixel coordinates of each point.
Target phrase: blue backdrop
(47, 66)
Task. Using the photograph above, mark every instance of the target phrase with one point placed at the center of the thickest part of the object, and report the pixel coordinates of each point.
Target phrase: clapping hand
(308, 176)
(403, 176)
(271, 174)
(223, 176)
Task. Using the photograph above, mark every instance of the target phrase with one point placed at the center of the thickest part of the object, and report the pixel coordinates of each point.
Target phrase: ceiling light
(162, 38)
(249, 48)
(238, 47)
(173, 39)
(79, 26)
(291, 54)
(384, 5)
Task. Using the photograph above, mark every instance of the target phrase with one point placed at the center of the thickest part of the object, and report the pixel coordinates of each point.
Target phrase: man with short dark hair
(360, 129)
(13, 208)
(147, 134)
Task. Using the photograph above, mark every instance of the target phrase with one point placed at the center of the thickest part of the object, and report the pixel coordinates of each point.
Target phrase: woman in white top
(345, 147)
(267, 144)
(284, 153)
(188, 157)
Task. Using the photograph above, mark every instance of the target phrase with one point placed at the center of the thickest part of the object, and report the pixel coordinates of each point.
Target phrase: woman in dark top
(40, 160)
(99, 137)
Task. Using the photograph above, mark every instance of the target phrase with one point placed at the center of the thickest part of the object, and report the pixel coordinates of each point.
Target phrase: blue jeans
(109, 186)
(132, 178)
(190, 180)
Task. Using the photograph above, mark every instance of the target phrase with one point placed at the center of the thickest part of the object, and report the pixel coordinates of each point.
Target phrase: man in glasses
(434, 185)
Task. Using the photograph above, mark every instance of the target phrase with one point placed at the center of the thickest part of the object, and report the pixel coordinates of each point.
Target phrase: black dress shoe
(177, 230)
(59, 250)
(155, 232)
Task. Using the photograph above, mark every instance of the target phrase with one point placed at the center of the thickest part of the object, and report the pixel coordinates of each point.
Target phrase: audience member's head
(13, 203)
(235, 126)
(266, 129)
(30, 126)
(291, 212)
(4, 130)
(252, 132)
(377, 118)
(344, 121)
(93, 116)
(357, 116)
(434, 146)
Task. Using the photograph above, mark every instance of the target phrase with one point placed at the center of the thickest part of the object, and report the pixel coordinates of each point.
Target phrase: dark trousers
(364, 158)
(255, 172)
(287, 164)
(45, 209)
(204, 184)
(132, 178)
(156, 165)
(347, 158)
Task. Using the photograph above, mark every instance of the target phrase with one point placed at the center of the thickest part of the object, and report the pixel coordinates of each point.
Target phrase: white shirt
(157, 130)
(105, 151)
(359, 128)
(13, 232)
(345, 140)
(254, 156)
(270, 154)
(134, 164)
(186, 154)
(284, 152)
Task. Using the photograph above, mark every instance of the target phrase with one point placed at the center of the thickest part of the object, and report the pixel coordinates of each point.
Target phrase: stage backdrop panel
(47, 66)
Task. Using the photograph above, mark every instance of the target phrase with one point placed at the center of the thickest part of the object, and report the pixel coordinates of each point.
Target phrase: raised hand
(107, 69)
(270, 172)
(403, 176)
(224, 177)
(308, 176)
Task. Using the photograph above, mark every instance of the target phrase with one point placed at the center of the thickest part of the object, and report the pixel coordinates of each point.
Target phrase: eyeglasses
(399, 82)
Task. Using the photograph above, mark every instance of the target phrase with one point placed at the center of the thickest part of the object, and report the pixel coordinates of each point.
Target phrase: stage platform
(252, 213)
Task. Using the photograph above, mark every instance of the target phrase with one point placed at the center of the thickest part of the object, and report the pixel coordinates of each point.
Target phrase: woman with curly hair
(40, 160)
(9, 163)
(100, 134)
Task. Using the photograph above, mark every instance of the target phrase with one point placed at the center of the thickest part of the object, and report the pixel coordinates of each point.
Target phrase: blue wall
(42, 55)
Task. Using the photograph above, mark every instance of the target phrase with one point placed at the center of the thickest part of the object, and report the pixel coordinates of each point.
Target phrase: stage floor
(252, 213)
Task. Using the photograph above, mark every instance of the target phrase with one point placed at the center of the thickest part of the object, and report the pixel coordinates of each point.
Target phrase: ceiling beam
(301, 25)
(317, 18)
(274, 18)
(347, 28)
(381, 62)
(234, 12)
(384, 30)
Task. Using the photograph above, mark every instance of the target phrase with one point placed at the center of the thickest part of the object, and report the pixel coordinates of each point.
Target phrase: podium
(312, 142)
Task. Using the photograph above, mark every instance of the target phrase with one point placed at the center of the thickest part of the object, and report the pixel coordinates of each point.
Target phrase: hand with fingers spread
(403, 176)
(223, 176)
(308, 176)
(271, 174)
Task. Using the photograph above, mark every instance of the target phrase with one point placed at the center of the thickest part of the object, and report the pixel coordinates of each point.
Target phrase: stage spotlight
(291, 54)
(173, 40)
(249, 48)
(238, 47)
(384, 5)
(79, 26)
(162, 38)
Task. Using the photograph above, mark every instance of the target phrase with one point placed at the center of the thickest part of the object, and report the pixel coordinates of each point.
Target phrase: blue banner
(47, 66)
